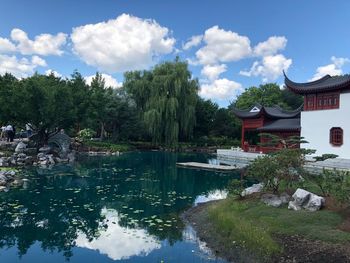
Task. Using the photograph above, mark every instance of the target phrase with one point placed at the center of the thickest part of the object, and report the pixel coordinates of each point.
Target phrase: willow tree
(167, 97)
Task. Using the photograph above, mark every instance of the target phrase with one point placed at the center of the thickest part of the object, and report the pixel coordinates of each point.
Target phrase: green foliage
(86, 134)
(108, 146)
(325, 157)
(166, 98)
(333, 183)
(235, 188)
(281, 167)
(268, 95)
(205, 116)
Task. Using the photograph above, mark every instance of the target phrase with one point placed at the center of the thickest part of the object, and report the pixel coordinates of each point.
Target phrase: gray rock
(315, 203)
(271, 200)
(3, 180)
(293, 206)
(307, 200)
(45, 149)
(3, 189)
(285, 198)
(21, 146)
(255, 188)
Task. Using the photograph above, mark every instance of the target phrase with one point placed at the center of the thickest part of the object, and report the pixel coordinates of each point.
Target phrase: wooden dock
(207, 166)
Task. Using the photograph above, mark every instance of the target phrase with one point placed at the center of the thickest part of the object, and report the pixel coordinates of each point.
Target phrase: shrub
(86, 134)
(284, 166)
(235, 187)
(333, 183)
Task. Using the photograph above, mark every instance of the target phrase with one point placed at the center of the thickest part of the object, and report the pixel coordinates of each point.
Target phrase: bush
(333, 183)
(284, 166)
(86, 134)
(235, 188)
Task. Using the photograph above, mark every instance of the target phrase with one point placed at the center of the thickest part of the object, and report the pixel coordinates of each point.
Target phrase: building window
(336, 136)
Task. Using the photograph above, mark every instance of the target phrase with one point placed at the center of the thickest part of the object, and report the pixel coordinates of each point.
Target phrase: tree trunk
(102, 131)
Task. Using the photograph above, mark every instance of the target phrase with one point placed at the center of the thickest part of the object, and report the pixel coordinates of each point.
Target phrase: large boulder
(21, 146)
(255, 188)
(307, 200)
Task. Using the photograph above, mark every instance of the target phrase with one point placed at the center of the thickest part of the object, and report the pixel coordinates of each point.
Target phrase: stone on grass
(255, 188)
(21, 146)
(285, 198)
(307, 200)
(271, 200)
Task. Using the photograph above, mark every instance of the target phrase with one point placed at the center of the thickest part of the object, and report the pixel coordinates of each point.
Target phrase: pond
(109, 209)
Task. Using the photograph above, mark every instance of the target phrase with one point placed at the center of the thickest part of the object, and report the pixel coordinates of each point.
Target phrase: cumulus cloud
(270, 68)
(124, 43)
(20, 68)
(223, 46)
(335, 68)
(213, 72)
(271, 46)
(6, 46)
(44, 44)
(193, 42)
(221, 89)
(109, 81)
(54, 72)
(38, 61)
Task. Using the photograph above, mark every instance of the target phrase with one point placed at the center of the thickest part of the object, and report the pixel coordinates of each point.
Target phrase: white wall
(315, 127)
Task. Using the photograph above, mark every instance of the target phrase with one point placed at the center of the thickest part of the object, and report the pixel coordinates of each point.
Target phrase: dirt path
(296, 249)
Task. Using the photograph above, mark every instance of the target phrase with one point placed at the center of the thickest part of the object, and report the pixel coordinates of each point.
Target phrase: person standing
(9, 133)
(29, 130)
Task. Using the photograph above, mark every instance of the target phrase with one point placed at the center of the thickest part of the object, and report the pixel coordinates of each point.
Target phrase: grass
(252, 224)
(109, 146)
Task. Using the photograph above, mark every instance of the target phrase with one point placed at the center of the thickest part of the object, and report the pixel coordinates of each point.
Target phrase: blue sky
(236, 44)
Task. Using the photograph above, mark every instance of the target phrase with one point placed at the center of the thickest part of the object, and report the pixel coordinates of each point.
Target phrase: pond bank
(235, 229)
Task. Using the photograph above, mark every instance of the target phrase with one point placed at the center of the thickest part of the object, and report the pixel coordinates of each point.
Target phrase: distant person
(9, 133)
(3, 133)
(13, 134)
(29, 130)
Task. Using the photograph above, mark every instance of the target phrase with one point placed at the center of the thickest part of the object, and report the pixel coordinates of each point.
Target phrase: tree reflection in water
(86, 204)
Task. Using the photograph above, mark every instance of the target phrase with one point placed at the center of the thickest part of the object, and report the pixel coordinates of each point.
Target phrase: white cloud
(109, 81)
(6, 45)
(222, 89)
(54, 72)
(119, 242)
(20, 68)
(38, 61)
(332, 69)
(223, 46)
(271, 46)
(270, 68)
(213, 72)
(124, 43)
(43, 44)
(193, 42)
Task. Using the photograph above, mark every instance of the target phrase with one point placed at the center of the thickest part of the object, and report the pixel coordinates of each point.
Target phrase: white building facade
(325, 119)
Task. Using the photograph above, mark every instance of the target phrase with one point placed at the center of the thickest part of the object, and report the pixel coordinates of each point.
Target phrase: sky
(229, 45)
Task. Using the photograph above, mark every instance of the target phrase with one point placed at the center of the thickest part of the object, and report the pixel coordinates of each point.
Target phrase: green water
(108, 209)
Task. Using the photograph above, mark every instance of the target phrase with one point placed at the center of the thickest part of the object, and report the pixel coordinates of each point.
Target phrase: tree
(205, 115)
(267, 95)
(167, 95)
(48, 105)
(226, 124)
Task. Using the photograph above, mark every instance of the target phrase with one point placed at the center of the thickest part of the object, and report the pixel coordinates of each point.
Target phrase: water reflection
(119, 242)
(211, 196)
(120, 206)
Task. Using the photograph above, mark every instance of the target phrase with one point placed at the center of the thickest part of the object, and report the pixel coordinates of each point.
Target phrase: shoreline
(296, 249)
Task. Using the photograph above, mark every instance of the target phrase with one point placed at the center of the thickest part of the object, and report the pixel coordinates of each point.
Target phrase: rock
(21, 155)
(2, 154)
(71, 156)
(307, 200)
(301, 197)
(293, 206)
(285, 198)
(271, 200)
(50, 159)
(45, 149)
(3, 189)
(21, 146)
(315, 203)
(3, 180)
(255, 188)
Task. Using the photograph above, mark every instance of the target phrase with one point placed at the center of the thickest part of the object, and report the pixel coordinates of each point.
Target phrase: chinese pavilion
(325, 119)
(260, 119)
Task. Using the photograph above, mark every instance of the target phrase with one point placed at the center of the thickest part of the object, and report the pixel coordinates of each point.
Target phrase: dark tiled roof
(326, 83)
(275, 112)
(282, 125)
